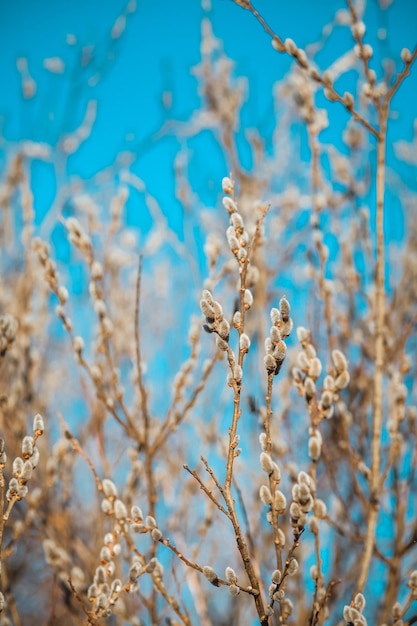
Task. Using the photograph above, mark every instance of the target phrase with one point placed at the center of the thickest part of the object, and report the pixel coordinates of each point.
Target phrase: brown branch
(374, 480)
(206, 490)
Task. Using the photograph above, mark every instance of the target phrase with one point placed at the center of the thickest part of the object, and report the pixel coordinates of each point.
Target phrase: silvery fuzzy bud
(234, 590)
(284, 307)
(314, 448)
(280, 350)
(397, 611)
(309, 387)
(290, 46)
(286, 328)
(227, 185)
(207, 295)
(230, 575)
(276, 472)
(13, 488)
(279, 46)
(109, 488)
(348, 100)
(236, 221)
(206, 309)
(266, 463)
(358, 29)
(116, 586)
(150, 522)
(27, 446)
(276, 576)
(26, 472)
(405, 55)
(135, 571)
(303, 361)
(302, 334)
(34, 459)
(275, 335)
(244, 342)
(292, 567)
(233, 243)
(211, 575)
(92, 592)
(136, 513)
(237, 319)
(295, 511)
(350, 614)
(222, 344)
(106, 506)
(158, 570)
(100, 575)
(359, 602)
(224, 330)
(248, 299)
(326, 399)
(315, 368)
(105, 555)
(78, 344)
(17, 466)
(342, 380)
(120, 510)
(275, 316)
(304, 479)
(265, 495)
(156, 534)
(38, 425)
(22, 492)
(328, 383)
(339, 361)
(237, 373)
(230, 205)
(270, 363)
(280, 501)
(310, 351)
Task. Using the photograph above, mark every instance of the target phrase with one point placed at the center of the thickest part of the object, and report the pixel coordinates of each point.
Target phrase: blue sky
(160, 46)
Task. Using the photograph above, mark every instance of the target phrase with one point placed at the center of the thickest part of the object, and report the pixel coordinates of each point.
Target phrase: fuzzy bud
(280, 501)
(109, 488)
(120, 510)
(265, 495)
(266, 463)
(276, 576)
(38, 425)
(227, 185)
(244, 342)
(211, 575)
(230, 575)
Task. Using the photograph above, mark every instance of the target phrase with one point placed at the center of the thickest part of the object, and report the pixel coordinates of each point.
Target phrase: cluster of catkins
(215, 321)
(23, 466)
(353, 613)
(308, 370)
(305, 375)
(275, 347)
